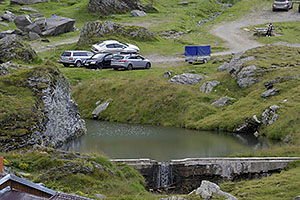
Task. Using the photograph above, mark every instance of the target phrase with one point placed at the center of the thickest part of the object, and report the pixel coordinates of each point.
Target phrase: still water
(118, 140)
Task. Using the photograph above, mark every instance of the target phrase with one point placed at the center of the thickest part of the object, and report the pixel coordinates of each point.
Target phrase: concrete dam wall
(182, 176)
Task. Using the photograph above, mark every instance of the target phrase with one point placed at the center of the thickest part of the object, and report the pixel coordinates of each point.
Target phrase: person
(269, 30)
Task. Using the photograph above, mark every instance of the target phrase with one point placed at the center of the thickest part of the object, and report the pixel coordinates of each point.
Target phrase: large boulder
(187, 79)
(93, 32)
(270, 92)
(108, 7)
(58, 25)
(100, 108)
(247, 76)
(269, 116)
(22, 21)
(9, 16)
(26, 2)
(13, 48)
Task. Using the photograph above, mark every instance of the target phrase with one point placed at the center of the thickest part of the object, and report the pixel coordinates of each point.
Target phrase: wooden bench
(262, 30)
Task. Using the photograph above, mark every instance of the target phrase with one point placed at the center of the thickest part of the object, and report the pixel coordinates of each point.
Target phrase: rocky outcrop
(9, 16)
(22, 21)
(247, 76)
(54, 119)
(13, 48)
(26, 2)
(187, 79)
(223, 101)
(208, 86)
(7, 68)
(269, 116)
(208, 189)
(108, 7)
(270, 92)
(94, 31)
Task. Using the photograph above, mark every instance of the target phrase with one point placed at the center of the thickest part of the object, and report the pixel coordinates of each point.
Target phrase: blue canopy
(197, 50)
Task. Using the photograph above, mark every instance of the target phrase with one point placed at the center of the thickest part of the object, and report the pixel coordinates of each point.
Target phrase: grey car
(130, 62)
(74, 57)
(282, 5)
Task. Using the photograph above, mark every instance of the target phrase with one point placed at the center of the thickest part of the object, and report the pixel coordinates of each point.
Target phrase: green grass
(70, 173)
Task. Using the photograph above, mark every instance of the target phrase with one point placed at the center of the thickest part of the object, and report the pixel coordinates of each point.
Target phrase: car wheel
(115, 68)
(78, 64)
(129, 67)
(148, 65)
(66, 65)
(100, 66)
(204, 61)
(273, 9)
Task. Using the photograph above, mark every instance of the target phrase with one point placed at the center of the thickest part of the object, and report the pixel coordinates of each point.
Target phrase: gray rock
(297, 198)
(5, 33)
(207, 189)
(33, 36)
(22, 21)
(270, 92)
(173, 198)
(13, 48)
(35, 15)
(249, 126)
(100, 108)
(247, 76)
(58, 25)
(41, 22)
(224, 67)
(222, 101)
(26, 2)
(34, 27)
(208, 86)
(108, 7)
(28, 9)
(98, 29)
(236, 63)
(269, 116)
(100, 196)
(9, 16)
(184, 3)
(4, 24)
(187, 79)
(7, 68)
(138, 13)
(167, 74)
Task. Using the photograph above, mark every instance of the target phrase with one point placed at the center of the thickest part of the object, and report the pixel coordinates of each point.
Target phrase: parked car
(282, 5)
(130, 62)
(74, 57)
(113, 46)
(99, 61)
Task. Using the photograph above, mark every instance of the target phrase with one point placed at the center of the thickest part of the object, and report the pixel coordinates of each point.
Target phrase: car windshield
(281, 0)
(101, 44)
(97, 56)
(124, 44)
(66, 53)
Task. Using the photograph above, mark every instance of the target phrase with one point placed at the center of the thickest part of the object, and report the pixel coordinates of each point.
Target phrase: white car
(113, 46)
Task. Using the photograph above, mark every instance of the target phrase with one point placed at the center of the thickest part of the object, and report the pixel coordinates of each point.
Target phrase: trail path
(240, 40)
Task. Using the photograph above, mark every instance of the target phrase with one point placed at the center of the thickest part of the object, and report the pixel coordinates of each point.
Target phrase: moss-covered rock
(93, 32)
(13, 48)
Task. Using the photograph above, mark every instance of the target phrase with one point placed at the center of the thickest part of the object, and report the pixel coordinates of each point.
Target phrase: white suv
(113, 46)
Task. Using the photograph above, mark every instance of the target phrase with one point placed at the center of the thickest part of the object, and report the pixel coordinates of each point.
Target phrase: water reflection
(117, 140)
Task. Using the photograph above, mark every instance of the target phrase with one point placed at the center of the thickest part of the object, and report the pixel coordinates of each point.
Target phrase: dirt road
(238, 39)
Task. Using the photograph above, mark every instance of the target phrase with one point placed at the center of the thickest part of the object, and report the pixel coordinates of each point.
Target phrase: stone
(100, 196)
(4, 24)
(187, 79)
(249, 126)
(96, 30)
(34, 27)
(35, 15)
(247, 76)
(100, 108)
(269, 93)
(9, 16)
(207, 189)
(28, 9)
(27, 2)
(223, 101)
(7, 68)
(13, 48)
(33, 36)
(109, 7)
(184, 3)
(138, 13)
(269, 116)
(167, 74)
(41, 22)
(208, 86)
(22, 21)
(173, 198)
(58, 25)
(223, 67)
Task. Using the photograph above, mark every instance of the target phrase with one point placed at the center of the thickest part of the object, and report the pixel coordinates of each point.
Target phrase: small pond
(119, 140)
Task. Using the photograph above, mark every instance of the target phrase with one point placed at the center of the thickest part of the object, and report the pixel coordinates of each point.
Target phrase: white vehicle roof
(109, 42)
